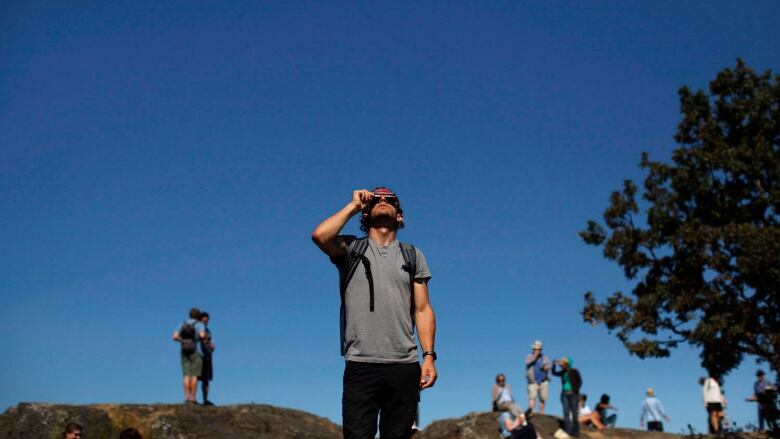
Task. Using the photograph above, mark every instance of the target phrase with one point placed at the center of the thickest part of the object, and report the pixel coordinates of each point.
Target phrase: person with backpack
(571, 382)
(188, 335)
(384, 295)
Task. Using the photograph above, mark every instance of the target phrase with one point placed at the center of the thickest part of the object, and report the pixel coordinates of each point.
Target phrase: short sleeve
(341, 260)
(423, 271)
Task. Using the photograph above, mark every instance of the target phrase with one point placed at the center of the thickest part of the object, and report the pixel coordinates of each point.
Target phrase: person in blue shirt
(764, 394)
(207, 348)
(653, 411)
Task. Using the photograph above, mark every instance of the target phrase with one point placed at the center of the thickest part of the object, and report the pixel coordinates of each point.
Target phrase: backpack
(575, 379)
(187, 338)
(355, 257)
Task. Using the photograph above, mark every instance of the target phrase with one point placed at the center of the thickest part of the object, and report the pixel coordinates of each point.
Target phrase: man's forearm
(325, 233)
(426, 328)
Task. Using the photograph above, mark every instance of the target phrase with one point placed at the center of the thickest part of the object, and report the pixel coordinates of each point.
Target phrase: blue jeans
(571, 410)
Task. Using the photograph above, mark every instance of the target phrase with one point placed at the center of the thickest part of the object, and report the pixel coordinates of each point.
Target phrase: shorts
(207, 371)
(714, 407)
(538, 390)
(191, 364)
(389, 392)
(655, 426)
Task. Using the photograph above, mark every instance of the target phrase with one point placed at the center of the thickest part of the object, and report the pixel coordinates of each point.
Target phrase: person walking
(384, 294)
(571, 381)
(188, 334)
(652, 411)
(207, 347)
(537, 370)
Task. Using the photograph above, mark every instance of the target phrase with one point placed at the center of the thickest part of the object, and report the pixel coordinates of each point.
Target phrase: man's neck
(382, 235)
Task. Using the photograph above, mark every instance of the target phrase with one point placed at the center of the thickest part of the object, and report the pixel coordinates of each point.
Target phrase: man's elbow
(320, 239)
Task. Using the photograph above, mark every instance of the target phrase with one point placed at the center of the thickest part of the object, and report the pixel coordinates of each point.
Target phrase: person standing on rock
(188, 334)
(653, 411)
(384, 294)
(207, 347)
(571, 381)
(537, 372)
(713, 402)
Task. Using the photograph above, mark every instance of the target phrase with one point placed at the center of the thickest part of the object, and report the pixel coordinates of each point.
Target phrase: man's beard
(384, 219)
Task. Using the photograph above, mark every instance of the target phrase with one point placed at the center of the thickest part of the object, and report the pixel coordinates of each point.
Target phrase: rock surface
(164, 421)
(484, 425)
(158, 421)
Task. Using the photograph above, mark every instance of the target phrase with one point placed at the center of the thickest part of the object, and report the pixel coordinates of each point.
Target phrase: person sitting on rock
(601, 409)
(502, 397)
(72, 431)
(588, 416)
(517, 427)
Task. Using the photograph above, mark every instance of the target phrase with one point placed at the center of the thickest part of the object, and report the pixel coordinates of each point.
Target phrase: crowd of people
(514, 422)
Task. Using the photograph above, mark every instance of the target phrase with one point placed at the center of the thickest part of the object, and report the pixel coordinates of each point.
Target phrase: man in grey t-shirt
(381, 304)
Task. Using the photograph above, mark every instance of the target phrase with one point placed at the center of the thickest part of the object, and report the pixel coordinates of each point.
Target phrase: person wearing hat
(653, 411)
(537, 372)
(571, 381)
(384, 295)
(764, 394)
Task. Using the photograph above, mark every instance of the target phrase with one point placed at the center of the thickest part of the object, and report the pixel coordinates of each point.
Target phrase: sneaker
(207, 402)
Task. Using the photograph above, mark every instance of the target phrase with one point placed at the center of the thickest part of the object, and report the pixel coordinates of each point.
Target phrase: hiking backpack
(355, 257)
(187, 338)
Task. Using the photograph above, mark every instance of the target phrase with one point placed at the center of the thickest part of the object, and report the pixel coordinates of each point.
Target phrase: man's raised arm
(326, 235)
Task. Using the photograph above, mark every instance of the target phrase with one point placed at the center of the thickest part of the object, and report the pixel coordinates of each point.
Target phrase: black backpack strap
(410, 262)
(410, 266)
(370, 277)
(351, 260)
(354, 258)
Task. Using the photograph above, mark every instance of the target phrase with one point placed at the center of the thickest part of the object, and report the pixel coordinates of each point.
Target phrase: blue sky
(157, 156)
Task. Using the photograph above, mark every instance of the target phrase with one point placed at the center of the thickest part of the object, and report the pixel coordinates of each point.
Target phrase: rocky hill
(163, 421)
(484, 425)
(156, 421)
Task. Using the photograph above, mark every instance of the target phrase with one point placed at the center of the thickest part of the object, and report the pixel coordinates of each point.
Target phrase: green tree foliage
(704, 255)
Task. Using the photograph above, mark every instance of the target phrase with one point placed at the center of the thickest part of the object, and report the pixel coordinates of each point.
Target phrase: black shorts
(207, 371)
(714, 407)
(655, 426)
(389, 392)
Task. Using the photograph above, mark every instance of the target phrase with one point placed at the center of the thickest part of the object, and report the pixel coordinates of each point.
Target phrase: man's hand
(428, 374)
(361, 199)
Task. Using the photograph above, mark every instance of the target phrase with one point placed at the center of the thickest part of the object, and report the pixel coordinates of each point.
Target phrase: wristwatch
(431, 353)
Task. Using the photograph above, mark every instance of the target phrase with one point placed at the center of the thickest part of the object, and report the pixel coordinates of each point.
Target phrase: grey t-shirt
(385, 335)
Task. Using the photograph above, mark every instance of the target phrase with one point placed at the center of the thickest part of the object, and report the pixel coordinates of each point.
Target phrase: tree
(704, 255)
